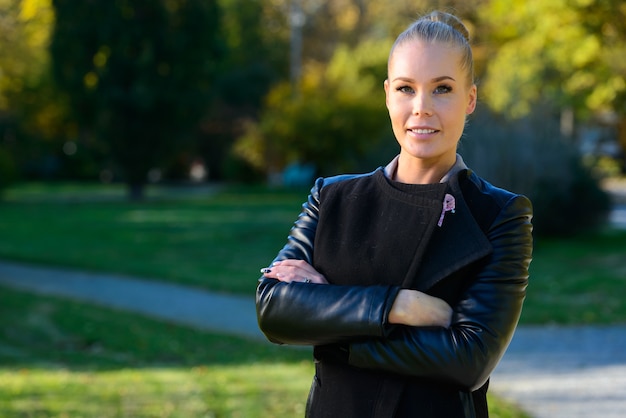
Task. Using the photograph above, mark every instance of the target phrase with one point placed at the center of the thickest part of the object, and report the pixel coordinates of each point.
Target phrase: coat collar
(458, 243)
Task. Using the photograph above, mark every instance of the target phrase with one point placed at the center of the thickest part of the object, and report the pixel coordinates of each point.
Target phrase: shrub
(531, 157)
(332, 120)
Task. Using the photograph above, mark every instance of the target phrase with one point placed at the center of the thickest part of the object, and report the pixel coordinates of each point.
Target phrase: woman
(408, 281)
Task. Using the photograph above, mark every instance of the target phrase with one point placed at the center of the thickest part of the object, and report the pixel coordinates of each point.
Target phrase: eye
(404, 89)
(443, 89)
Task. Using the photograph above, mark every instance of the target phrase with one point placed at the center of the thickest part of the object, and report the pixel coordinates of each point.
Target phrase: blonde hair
(441, 27)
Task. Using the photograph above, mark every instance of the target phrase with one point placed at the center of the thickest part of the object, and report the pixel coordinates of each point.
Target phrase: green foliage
(32, 119)
(249, 71)
(256, 35)
(564, 51)
(24, 32)
(139, 76)
(333, 118)
(548, 56)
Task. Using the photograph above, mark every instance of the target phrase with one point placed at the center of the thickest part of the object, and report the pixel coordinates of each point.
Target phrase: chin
(430, 154)
(422, 152)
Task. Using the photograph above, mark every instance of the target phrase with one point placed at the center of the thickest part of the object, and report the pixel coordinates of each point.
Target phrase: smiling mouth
(423, 131)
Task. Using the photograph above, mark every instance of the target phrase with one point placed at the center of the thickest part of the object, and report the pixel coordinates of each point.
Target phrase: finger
(299, 267)
(292, 270)
(282, 273)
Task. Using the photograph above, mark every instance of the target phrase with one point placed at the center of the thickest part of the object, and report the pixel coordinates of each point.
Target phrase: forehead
(427, 59)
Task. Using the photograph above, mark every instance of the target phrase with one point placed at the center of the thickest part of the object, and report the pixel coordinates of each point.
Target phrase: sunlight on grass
(256, 390)
(66, 359)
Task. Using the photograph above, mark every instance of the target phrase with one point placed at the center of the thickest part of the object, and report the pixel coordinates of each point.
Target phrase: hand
(294, 271)
(415, 308)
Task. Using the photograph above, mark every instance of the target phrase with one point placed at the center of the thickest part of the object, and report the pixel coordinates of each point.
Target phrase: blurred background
(142, 92)
(174, 141)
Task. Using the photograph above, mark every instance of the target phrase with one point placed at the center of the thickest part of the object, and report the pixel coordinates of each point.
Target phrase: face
(428, 98)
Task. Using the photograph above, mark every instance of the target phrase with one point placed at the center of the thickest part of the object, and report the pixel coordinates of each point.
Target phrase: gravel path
(551, 372)
(565, 372)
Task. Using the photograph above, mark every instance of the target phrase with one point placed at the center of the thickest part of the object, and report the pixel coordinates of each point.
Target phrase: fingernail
(265, 270)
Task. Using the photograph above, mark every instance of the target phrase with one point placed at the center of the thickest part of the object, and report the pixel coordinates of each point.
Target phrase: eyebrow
(434, 80)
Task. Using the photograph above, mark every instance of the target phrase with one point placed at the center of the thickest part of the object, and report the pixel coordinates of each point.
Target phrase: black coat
(366, 367)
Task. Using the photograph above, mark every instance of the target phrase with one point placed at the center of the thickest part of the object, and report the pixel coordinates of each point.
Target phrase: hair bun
(449, 20)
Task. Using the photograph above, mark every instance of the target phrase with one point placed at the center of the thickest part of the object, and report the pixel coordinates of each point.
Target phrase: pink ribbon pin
(448, 206)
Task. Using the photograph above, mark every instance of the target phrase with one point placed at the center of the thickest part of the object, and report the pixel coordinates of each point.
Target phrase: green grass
(578, 280)
(218, 239)
(60, 358)
(67, 359)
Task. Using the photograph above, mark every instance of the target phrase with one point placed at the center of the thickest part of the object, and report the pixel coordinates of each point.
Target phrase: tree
(564, 52)
(138, 74)
(24, 33)
(336, 115)
(30, 117)
(256, 39)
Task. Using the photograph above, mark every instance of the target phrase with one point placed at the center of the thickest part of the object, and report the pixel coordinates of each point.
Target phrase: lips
(422, 131)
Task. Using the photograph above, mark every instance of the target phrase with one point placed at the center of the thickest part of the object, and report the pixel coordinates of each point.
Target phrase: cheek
(392, 109)
(397, 118)
(397, 109)
(456, 113)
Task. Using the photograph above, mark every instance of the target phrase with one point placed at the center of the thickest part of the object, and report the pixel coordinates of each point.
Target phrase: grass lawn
(219, 239)
(216, 241)
(66, 359)
(578, 280)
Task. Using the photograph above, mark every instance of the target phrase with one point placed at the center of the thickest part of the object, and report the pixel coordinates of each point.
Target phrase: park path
(551, 372)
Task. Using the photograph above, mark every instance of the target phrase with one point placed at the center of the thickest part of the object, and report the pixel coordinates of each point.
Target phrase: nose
(422, 104)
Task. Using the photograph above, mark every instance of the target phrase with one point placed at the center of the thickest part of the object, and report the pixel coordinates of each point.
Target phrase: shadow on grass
(45, 331)
(578, 281)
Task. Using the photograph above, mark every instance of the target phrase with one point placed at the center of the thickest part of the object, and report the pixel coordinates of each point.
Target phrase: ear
(473, 97)
(386, 86)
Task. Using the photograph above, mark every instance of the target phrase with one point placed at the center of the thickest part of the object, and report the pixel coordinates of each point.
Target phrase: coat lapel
(456, 244)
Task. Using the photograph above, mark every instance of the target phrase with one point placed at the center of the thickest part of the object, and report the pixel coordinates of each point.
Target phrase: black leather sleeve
(312, 314)
(483, 322)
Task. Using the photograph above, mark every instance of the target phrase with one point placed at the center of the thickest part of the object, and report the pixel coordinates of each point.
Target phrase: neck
(417, 171)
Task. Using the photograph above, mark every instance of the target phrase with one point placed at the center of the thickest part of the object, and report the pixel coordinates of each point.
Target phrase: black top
(371, 230)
